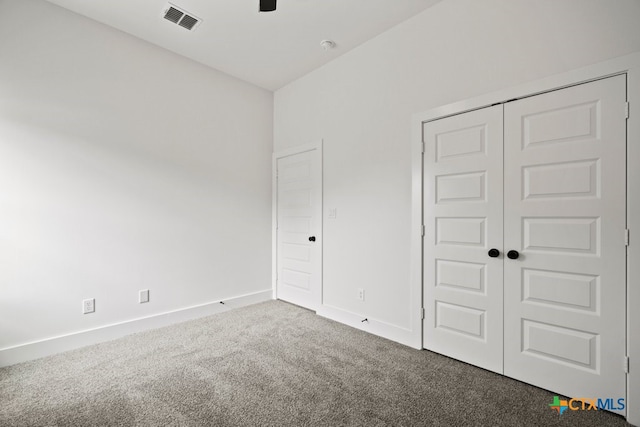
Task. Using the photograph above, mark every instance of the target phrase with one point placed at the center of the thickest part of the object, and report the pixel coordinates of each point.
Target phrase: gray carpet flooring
(270, 364)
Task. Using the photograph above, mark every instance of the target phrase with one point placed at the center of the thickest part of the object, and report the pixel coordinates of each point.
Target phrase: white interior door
(565, 190)
(463, 221)
(298, 229)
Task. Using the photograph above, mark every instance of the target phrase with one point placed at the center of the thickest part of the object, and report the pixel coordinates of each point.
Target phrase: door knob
(513, 255)
(494, 253)
(312, 238)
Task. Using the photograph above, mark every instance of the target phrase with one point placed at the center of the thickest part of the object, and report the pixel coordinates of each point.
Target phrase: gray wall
(361, 106)
(122, 167)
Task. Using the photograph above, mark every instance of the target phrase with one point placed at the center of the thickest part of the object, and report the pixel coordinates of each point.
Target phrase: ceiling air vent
(180, 16)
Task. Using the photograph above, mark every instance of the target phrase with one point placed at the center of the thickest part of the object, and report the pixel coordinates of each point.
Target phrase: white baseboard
(391, 332)
(46, 347)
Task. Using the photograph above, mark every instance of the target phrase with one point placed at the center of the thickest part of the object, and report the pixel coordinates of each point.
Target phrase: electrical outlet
(143, 296)
(361, 294)
(88, 306)
(333, 213)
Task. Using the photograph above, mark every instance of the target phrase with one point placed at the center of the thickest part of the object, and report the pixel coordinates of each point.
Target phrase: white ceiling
(266, 49)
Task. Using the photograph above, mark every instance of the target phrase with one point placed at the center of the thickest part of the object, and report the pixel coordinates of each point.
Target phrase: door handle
(312, 238)
(493, 253)
(513, 254)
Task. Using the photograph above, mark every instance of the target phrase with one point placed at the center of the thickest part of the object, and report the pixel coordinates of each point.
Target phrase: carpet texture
(270, 364)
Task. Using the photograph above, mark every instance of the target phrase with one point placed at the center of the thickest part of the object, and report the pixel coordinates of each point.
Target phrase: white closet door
(463, 220)
(564, 296)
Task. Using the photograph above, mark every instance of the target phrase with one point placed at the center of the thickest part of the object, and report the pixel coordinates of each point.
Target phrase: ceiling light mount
(267, 5)
(327, 44)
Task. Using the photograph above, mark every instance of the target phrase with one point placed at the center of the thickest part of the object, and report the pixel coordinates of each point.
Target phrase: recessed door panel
(562, 234)
(460, 231)
(460, 142)
(294, 172)
(298, 198)
(570, 123)
(296, 252)
(296, 225)
(556, 344)
(466, 187)
(464, 276)
(297, 279)
(570, 291)
(566, 180)
(453, 318)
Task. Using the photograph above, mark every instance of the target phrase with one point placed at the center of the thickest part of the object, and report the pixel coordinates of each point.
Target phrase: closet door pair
(524, 248)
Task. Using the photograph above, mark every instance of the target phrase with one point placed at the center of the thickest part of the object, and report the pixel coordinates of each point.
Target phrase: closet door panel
(463, 220)
(564, 297)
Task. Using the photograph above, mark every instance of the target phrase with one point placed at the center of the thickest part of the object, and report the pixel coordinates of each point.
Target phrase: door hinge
(625, 364)
(422, 314)
(423, 230)
(626, 237)
(626, 110)
(423, 145)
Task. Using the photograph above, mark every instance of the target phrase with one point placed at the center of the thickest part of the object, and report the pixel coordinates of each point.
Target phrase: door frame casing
(629, 65)
(317, 147)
